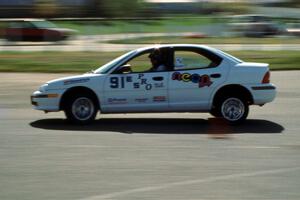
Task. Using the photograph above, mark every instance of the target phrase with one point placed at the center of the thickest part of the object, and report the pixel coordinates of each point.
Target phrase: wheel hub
(233, 109)
(82, 108)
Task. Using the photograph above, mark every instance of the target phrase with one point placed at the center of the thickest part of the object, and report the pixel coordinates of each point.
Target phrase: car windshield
(43, 24)
(107, 67)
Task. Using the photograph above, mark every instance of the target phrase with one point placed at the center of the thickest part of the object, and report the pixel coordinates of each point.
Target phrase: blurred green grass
(210, 40)
(58, 62)
(138, 26)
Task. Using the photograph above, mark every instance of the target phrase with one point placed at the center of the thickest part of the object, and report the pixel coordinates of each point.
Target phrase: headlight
(43, 88)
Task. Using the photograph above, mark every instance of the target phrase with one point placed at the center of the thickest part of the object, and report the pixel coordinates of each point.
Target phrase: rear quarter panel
(247, 73)
(250, 75)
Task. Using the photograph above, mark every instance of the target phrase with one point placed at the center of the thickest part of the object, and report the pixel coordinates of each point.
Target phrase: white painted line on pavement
(253, 147)
(190, 182)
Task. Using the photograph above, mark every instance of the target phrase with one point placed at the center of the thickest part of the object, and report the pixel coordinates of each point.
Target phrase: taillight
(266, 78)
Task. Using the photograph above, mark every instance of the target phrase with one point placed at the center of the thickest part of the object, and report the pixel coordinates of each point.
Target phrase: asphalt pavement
(148, 156)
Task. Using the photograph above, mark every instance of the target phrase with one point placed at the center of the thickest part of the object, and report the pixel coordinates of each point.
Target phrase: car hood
(71, 81)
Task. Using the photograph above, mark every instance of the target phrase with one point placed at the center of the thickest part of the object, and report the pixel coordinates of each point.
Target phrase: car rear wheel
(81, 109)
(233, 109)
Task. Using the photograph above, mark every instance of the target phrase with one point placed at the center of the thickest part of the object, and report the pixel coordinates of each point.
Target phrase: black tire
(215, 112)
(234, 109)
(81, 109)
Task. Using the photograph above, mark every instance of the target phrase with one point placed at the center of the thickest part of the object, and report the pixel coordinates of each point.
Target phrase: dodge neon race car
(195, 78)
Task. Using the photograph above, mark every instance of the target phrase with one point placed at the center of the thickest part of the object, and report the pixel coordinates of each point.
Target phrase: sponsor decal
(136, 85)
(201, 80)
(139, 85)
(158, 85)
(140, 76)
(148, 87)
(120, 82)
(141, 100)
(128, 79)
(141, 82)
(117, 100)
(159, 98)
(73, 81)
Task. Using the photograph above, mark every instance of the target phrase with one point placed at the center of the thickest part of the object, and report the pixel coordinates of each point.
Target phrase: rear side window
(22, 25)
(195, 59)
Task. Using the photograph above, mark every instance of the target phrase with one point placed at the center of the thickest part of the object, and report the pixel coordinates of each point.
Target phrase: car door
(197, 72)
(29, 32)
(139, 90)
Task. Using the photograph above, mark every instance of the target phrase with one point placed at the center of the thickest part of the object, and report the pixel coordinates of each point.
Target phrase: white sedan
(162, 78)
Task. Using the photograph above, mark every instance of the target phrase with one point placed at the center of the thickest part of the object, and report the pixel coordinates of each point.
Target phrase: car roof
(21, 20)
(174, 45)
(211, 49)
(249, 15)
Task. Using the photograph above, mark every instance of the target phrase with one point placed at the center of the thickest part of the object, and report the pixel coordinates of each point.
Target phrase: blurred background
(73, 32)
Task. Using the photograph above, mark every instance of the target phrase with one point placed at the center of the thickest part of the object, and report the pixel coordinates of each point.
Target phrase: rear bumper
(270, 87)
(264, 93)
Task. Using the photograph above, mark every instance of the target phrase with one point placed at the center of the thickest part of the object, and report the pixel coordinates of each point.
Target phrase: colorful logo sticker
(202, 81)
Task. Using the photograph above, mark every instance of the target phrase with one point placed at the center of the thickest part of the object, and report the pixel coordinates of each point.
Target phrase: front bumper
(45, 101)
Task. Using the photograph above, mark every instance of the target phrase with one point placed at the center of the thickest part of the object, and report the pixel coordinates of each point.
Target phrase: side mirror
(125, 69)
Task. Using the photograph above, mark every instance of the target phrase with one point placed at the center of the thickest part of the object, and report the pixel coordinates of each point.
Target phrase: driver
(156, 59)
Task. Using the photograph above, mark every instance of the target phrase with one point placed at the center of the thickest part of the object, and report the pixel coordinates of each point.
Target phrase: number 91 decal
(120, 82)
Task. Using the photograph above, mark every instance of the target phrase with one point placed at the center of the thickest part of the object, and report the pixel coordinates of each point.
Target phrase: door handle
(158, 78)
(215, 75)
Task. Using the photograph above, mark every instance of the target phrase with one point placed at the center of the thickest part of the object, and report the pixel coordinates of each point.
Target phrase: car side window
(153, 60)
(190, 60)
(15, 25)
(140, 64)
(27, 25)
(184, 60)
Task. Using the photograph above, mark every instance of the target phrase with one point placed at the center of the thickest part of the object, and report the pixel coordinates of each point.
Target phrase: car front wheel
(215, 112)
(234, 109)
(81, 109)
